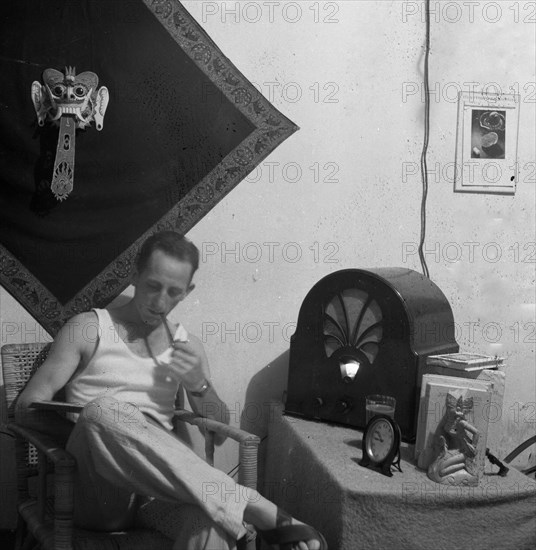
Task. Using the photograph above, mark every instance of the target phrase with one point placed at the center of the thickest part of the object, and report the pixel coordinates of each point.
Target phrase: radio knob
(344, 405)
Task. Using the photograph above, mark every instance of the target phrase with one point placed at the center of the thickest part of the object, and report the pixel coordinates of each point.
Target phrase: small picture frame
(486, 144)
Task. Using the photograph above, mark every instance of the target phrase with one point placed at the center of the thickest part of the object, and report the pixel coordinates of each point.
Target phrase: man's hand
(189, 363)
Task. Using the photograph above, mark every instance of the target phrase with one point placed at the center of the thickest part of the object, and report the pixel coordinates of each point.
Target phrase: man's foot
(280, 529)
(295, 536)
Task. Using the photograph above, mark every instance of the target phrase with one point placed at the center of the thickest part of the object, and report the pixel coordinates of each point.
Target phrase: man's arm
(66, 353)
(190, 363)
(209, 405)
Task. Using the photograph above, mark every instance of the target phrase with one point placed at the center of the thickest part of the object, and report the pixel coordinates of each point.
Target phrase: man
(127, 378)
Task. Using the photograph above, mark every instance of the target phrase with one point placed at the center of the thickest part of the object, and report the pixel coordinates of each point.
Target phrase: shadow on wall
(264, 395)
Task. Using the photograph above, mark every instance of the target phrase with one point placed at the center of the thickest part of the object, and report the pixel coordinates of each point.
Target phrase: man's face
(163, 283)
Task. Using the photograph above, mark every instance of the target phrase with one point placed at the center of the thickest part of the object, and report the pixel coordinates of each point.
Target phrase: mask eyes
(80, 91)
(58, 90)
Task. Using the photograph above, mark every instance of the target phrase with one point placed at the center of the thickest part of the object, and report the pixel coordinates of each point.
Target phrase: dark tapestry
(182, 128)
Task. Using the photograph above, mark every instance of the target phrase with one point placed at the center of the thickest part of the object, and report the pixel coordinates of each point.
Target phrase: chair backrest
(19, 362)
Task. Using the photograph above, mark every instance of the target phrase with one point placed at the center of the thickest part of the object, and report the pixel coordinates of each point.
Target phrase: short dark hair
(172, 243)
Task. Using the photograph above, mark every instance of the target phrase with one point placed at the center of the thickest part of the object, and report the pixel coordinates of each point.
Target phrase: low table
(312, 471)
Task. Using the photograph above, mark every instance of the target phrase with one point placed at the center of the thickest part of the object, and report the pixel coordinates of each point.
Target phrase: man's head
(173, 244)
(163, 277)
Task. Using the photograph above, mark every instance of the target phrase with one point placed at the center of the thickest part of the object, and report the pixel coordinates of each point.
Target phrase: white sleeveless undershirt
(116, 371)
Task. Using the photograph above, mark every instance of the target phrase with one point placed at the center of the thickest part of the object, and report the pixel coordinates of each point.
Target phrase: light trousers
(122, 454)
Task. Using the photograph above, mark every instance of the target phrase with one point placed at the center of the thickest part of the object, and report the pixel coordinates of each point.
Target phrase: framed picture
(486, 144)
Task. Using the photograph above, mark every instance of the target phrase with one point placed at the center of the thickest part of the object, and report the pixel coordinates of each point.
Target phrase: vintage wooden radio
(362, 332)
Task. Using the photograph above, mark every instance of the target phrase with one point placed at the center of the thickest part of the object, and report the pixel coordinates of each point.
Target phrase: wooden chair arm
(45, 444)
(520, 448)
(248, 444)
(248, 454)
(64, 468)
(218, 427)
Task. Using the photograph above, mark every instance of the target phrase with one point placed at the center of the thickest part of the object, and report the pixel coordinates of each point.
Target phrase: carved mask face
(456, 410)
(71, 94)
(70, 102)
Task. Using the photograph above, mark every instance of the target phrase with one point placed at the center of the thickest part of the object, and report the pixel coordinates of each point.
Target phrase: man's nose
(160, 301)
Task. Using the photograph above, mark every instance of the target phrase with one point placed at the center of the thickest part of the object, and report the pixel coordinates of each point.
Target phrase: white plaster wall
(491, 290)
(374, 57)
(366, 213)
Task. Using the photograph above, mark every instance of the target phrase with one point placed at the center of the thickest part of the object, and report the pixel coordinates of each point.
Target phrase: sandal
(287, 533)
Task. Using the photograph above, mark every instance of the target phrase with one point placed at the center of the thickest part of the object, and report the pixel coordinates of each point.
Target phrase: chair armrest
(248, 444)
(520, 448)
(218, 427)
(58, 406)
(45, 444)
(64, 468)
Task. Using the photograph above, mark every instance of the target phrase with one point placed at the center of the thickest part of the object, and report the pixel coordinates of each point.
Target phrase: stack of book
(464, 361)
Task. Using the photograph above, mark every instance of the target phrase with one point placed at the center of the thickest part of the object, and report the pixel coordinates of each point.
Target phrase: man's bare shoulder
(84, 317)
(80, 330)
(70, 350)
(81, 321)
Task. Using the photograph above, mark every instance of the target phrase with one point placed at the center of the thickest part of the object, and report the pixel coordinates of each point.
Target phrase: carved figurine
(455, 445)
(71, 101)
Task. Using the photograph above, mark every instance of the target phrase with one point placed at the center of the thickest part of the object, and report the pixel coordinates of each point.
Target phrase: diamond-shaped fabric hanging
(183, 127)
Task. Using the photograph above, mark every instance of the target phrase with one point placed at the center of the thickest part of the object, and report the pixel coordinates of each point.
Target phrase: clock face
(380, 440)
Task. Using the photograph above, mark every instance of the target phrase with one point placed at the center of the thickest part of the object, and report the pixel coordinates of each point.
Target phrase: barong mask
(71, 101)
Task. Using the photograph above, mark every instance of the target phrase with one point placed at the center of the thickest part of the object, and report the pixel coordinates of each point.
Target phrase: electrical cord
(424, 166)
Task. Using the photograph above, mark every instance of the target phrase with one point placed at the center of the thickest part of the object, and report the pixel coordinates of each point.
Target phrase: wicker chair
(530, 470)
(45, 521)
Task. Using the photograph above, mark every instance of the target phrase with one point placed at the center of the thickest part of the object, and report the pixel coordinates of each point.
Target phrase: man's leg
(98, 504)
(186, 524)
(140, 457)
